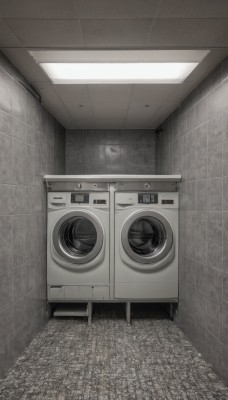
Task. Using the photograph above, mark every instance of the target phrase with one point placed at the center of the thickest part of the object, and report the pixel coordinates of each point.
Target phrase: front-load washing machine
(78, 246)
(146, 246)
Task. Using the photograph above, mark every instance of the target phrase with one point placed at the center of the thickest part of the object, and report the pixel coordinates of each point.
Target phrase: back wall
(110, 151)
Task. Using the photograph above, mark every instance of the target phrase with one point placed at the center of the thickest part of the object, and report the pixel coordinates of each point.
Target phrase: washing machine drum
(147, 237)
(78, 237)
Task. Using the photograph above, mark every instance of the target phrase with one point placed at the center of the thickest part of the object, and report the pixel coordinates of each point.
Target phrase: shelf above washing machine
(101, 182)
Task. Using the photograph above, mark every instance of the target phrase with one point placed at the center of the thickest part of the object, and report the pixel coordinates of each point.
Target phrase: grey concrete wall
(194, 142)
(110, 152)
(31, 144)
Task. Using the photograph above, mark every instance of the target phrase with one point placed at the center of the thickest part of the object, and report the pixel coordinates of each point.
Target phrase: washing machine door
(147, 237)
(78, 237)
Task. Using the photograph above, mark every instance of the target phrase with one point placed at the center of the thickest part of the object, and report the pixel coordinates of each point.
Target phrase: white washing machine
(146, 246)
(78, 246)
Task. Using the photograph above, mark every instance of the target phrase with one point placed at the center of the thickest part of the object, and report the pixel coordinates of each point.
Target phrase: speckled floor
(149, 360)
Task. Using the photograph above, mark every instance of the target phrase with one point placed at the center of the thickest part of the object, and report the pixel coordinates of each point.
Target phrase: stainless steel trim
(164, 249)
(62, 251)
(112, 178)
(148, 186)
(66, 186)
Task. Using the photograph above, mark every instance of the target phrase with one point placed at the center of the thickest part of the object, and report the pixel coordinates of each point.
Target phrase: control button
(147, 186)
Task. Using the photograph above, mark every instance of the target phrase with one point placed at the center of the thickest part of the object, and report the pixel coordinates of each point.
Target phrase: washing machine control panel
(79, 198)
(148, 198)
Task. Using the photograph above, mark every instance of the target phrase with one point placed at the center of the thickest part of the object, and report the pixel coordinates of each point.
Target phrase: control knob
(78, 185)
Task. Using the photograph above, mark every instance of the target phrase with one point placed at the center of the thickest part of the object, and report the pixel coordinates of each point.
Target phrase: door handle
(125, 204)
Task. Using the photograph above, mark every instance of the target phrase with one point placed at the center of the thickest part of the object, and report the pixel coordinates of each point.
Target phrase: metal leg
(90, 310)
(128, 312)
(171, 311)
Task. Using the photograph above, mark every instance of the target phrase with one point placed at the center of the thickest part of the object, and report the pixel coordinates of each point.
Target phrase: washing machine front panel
(147, 237)
(78, 237)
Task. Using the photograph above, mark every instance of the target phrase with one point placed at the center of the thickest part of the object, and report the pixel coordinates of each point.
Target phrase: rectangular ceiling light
(118, 66)
(119, 73)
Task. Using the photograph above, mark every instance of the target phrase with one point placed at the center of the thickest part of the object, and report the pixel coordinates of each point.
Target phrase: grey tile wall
(31, 144)
(194, 142)
(110, 152)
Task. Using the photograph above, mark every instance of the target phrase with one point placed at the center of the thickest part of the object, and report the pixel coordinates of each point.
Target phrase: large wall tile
(18, 162)
(6, 243)
(5, 123)
(214, 316)
(201, 195)
(225, 125)
(6, 199)
(19, 315)
(214, 194)
(202, 278)
(6, 331)
(191, 170)
(205, 197)
(214, 160)
(18, 129)
(225, 158)
(215, 130)
(215, 284)
(201, 237)
(29, 139)
(6, 92)
(190, 234)
(214, 352)
(225, 193)
(6, 169)
(225, 362)
(225, 241)
(6, 290)
(19, 239)
(95, 159)
(130, 158)
(201, 163)
(19, 282)
(19, 101)
(113, 159)
(201, 136)
(129, 151)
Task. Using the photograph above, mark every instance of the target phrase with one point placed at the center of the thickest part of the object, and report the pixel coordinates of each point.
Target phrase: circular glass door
(147, 237)
(78, 237)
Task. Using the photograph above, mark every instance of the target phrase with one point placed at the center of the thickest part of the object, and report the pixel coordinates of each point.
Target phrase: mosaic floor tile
(151, 359)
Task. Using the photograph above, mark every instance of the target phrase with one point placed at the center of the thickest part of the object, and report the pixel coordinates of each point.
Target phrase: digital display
(148, 198)
(79, 198)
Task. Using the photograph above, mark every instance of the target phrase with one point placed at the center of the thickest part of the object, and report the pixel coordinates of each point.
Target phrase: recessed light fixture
(118, 67)
(87, 73)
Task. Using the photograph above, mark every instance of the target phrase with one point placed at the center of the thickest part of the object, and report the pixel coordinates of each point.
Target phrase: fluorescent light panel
(121, 73)
(118, 66)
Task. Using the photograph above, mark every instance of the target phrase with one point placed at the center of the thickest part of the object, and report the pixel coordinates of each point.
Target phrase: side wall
(193, 141)
(31, 144)
(110, 152)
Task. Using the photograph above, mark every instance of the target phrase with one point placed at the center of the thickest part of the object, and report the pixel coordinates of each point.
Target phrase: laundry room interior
(114, 199)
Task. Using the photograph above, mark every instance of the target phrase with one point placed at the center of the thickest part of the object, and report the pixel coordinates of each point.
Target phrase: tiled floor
(151, 359)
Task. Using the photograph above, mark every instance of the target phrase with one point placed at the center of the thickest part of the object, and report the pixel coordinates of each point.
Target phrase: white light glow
(121, 73)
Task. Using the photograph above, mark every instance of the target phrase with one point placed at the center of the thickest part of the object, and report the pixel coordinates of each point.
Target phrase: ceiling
(112, 24)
